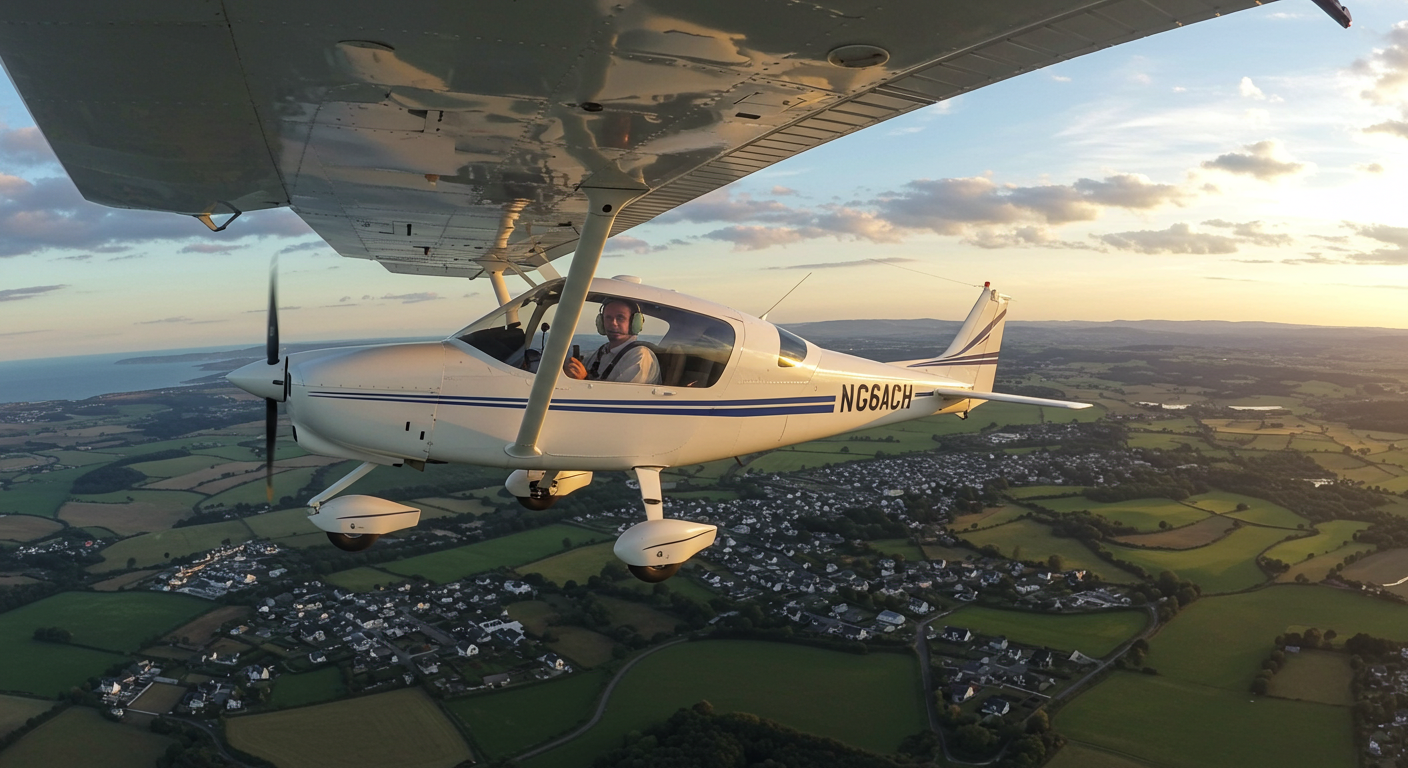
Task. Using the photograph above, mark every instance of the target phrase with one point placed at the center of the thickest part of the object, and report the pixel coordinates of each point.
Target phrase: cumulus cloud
(311, 245)
(991, 215)
(49, 214)
(1249, 90)
(1395, 238)
(1264, 160)
(19, 294)
(1370, 167)
(1388, 67)
(781, 191)
(628, 244)
(1178, 238)
(1252, 231)
(25, 147)
(1397, 128)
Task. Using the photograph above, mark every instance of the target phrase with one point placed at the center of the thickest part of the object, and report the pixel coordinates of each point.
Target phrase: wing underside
(450, 138)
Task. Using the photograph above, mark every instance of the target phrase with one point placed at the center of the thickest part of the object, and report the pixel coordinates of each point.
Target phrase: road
(601, 703)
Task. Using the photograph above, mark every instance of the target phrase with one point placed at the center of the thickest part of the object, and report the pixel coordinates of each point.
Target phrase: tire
(654, 574)
(537, 505)
(353, 542)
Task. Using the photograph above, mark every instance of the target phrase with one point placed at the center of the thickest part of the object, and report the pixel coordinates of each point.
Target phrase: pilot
(622, 358)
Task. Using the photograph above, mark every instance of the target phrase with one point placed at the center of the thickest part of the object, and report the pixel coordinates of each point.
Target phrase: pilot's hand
(574, 368)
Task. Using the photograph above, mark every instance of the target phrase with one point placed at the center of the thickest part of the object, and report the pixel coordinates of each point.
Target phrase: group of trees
(53, 634)
(699, 738)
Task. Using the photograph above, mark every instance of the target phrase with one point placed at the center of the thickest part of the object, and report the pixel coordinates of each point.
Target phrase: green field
(1321, 676)
(1033, 491)
(159, 547)
(15, 710)
(893, 547)
(1329, 537)
(585, 648)
(1226, 565)
(1093, 634)
(402, 728)
(1141, 514)
(364, 579)
(1173, 723)
(114, 621)
(507, 551)
(178, 466)
(1078, 755)
(308, 688)
(288, 483)
(1258, 512)
(870, 701)
(39, 494)
(1036, 542)
(508, 722)
(80, 736)
(576, 565)
(1221, 641)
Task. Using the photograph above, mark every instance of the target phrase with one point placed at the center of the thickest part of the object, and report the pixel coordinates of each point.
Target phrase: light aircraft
(728, 384)
(475, 140)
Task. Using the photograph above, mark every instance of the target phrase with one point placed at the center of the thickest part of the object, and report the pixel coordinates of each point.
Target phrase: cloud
(1061, 78)
(1249, 90)
(311, 245)
(24, 333)
(628, 244)
(1312, 258)
(181, 319)
(1397, 128)
(25, 147)
(20, 294)
(78, 257)
(991, 215)
(1394, 237)
(856, 263)
(1252, 232)
(1388, 67)
(1370, 167)
(781, 191)
(412, 298)
(208, 248)
(1178, 238)
(1264, 160)
(49, 214)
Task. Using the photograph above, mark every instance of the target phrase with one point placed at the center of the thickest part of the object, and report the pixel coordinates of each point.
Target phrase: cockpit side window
(793, 349)
(513, 333)
(691, 349)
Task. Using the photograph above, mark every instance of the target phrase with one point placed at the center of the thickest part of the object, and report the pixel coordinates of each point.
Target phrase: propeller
(271, 406)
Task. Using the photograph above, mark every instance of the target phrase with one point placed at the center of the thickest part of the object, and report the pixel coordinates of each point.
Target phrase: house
(961, 692)
(996, 705)
(891, 618)
(956, 635)
(466, 648)
(553, 661)
(497, 681)
(1042, 659)
(998, 643)
(517, 587)
(318, 657)
(918, 606)
(109, 687)
(853, 633)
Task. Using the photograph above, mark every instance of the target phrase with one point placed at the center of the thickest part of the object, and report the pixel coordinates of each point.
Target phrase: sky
(1252, 167)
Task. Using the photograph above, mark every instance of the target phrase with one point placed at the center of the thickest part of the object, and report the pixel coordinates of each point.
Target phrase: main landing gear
(655, 549)
(354, 523)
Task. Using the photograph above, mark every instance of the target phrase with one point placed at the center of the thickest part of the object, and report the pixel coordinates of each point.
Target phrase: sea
(85, 376)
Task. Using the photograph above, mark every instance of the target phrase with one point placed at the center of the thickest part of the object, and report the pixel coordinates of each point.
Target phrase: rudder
(972, 357)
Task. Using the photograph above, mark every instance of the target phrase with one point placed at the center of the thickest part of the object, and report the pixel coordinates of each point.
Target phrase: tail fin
(972, 357)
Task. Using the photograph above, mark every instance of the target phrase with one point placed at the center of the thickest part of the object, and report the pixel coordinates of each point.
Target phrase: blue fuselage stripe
(782, 406)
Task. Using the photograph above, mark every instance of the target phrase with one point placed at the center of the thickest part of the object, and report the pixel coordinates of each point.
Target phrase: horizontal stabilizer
(1000, 397)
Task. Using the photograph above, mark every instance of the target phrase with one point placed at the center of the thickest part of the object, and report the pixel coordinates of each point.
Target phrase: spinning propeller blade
(271, 406)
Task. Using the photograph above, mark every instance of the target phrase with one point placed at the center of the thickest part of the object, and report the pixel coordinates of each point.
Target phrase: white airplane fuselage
(449, 402)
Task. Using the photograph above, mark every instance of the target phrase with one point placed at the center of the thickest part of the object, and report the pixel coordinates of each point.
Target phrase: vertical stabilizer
(972, 357)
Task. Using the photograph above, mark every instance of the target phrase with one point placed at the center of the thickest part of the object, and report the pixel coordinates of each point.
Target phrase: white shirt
(636, 366)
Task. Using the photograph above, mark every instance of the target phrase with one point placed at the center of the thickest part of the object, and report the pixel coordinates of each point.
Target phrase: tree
(1056, 563)
(566, 543)
(975, 739)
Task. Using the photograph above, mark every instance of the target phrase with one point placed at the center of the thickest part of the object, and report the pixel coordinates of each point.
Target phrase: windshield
(677, 347)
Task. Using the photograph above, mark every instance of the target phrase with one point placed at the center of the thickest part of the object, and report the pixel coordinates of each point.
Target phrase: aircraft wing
(448, 138)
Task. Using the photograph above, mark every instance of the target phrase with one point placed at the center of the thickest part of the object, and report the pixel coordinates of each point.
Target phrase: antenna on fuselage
(764, 316)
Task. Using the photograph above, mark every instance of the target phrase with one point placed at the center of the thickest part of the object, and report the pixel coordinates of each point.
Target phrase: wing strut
(602, 206)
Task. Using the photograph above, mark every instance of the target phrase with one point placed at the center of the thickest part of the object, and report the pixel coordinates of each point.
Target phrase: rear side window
(793, 351)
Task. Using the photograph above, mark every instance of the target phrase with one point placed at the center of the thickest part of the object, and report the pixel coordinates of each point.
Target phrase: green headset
(637, 319)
